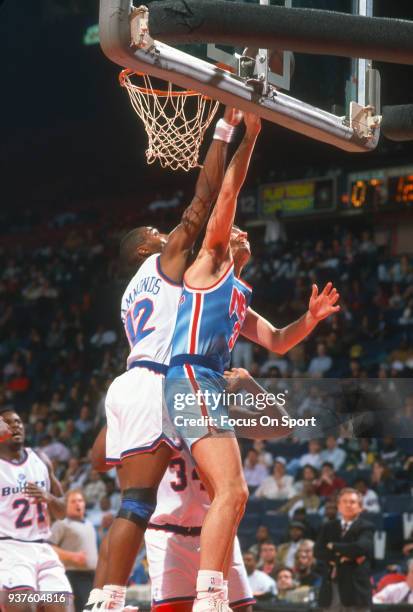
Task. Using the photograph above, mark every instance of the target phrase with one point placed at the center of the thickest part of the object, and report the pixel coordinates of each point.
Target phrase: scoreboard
(387, 188)
(315, 195)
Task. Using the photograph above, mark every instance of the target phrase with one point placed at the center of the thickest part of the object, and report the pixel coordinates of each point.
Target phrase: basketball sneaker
(213, 602)
(99, 600)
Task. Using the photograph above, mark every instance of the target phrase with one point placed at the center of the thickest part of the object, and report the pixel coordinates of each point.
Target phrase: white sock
(208, 582)
(117, 593)
(94, 595)
(225, 589)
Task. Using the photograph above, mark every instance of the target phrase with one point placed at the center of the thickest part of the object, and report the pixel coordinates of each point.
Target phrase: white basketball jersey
(148, 312)
(182, 499)
(20, 518)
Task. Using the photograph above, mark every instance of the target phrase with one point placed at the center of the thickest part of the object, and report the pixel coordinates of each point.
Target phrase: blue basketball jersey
(210, 320)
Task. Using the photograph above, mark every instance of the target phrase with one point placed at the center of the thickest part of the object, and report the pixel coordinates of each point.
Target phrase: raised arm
(262, 332)
(220, 224)
(182, 239)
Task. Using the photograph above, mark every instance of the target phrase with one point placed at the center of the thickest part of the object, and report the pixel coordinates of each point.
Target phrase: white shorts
(136, 421)
(31, 565)
(173, 561)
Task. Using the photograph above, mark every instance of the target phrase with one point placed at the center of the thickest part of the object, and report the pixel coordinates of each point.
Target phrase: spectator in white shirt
(308, 474)
(254, 471)
(103, 337)
(312, 403)
(313, 457)
(264, 456)
(370, 497)
(321, 364)
(333, 453)
(55, 450)
(94, 489)
(262, 585)
(275, 361)
(401, 592)
(278, 485)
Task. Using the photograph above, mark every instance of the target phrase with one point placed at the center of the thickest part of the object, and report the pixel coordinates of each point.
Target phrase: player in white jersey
(135, 435)
(172, 538)
(173, 542)
(28, 492)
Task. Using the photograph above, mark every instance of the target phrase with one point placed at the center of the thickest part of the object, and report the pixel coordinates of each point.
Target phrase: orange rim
(157, 92)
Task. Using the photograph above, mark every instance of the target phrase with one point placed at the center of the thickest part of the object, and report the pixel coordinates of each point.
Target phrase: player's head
(240, 247)
(17, 428)
(139, 244)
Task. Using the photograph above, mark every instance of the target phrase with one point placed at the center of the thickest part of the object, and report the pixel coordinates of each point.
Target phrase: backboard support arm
(142, 54)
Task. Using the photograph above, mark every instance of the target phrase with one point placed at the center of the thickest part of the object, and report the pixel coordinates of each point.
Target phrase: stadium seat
(314, 520)
(272, 504)
(254, 505)
(397, 504)
(277, 522)
(376, 518)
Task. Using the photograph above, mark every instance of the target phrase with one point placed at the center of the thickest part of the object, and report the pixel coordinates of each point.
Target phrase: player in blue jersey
(135, 441)
(212, 312)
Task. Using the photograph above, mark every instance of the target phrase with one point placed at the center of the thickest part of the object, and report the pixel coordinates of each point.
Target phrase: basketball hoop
(175, 129)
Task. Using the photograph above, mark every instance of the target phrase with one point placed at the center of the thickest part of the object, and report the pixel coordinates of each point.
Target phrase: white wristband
(223, 131)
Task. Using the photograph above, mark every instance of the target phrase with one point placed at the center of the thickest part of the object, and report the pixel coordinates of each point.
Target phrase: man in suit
(346, 547)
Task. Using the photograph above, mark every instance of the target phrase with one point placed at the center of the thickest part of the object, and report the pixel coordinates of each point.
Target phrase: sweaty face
(154, 240)
(16, 425)
(240, 247)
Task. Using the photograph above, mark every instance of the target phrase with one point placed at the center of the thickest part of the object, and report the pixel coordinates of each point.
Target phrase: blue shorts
(195, 397)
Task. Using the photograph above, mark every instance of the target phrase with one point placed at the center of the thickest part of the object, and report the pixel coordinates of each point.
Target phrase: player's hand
(5, 431)
(78, 558)
(252, 123)
(233, 116)
(236, 378)
(324, 304)
(36, 493)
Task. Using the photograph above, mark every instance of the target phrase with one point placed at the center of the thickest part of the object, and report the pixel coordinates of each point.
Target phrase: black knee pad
(138, 505)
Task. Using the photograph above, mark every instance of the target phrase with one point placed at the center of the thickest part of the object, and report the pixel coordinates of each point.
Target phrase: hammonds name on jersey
(21, 517)
(148, 312)
(210, 320)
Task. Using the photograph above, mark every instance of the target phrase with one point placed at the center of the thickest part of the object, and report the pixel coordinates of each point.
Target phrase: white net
(175, 129)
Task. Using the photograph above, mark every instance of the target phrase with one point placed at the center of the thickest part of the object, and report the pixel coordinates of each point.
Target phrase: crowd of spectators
(61, 345)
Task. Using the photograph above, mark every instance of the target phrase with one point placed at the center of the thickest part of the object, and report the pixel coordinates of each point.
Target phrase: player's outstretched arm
(182, 239)
(54, 498)
(220, 224)
(262, 332)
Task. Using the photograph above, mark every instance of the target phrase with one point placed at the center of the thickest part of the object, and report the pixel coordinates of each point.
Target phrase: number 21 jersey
(22, 518)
